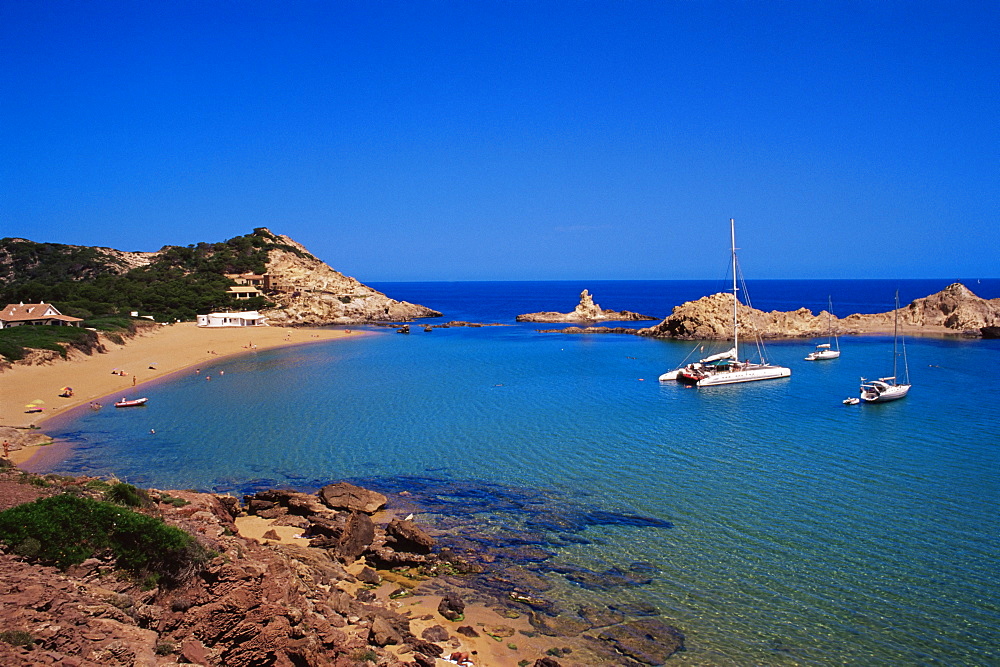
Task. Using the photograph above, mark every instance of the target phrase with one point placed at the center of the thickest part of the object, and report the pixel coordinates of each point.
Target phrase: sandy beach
(146, 357)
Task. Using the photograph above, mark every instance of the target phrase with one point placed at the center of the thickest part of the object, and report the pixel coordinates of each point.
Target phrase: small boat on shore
(131, 403)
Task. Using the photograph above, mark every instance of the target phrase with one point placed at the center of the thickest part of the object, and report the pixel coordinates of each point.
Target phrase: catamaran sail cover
(731, 354)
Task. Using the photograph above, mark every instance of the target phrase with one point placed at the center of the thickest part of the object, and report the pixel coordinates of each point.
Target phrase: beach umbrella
(37, 401)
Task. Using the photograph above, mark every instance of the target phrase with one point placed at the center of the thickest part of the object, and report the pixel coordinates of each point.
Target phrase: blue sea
(769, 522)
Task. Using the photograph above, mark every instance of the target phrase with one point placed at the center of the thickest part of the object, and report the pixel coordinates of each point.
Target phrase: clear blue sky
(513, 140)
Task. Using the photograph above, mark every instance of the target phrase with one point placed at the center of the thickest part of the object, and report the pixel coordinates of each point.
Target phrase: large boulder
(407, 536)
(347, 535)
(346, 496)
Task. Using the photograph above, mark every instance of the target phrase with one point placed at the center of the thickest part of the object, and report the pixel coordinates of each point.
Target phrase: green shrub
(109, 323)
(168, 499)
(165, 648)
(16, 638)
(125, 494)
(14, 340)
(69, 529)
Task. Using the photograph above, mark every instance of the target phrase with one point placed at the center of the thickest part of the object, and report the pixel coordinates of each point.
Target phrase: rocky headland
(300, 579)
(954, 310)
(585, 311)
(312, 293)
(305, 291)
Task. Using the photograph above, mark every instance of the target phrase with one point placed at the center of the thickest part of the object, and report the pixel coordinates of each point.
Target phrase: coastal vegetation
(175, 283)
(66, 529)
(15, 342)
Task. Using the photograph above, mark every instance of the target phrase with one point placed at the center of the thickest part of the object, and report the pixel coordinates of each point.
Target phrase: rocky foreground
(330, 579)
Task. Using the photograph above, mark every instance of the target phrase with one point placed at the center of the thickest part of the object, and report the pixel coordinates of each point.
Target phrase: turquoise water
(804, 531)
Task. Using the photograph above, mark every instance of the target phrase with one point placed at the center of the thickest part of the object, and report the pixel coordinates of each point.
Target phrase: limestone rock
(585, 311)
(312, 293)
(955, 309)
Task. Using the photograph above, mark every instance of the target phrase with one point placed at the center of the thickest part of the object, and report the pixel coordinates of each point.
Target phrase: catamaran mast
(895, 337)
(829, 321)
(736, 329)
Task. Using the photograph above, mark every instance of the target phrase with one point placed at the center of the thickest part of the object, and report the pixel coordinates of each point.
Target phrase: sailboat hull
(891, 393)
(752, 374)
(820, 355)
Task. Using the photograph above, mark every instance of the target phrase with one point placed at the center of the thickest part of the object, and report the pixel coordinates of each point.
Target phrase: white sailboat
(726, 367)
(888, 389)
(830, 350)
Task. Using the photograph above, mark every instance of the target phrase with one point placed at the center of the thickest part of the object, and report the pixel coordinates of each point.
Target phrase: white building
(250, 318)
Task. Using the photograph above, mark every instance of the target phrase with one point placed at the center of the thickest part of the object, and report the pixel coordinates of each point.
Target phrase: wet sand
(146, 357)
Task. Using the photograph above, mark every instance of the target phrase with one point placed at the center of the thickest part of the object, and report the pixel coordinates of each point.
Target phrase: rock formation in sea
(585, 311)
(955, 309)
(309, 292)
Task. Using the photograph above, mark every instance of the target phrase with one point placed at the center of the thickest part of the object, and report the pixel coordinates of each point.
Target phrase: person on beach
(6, 449)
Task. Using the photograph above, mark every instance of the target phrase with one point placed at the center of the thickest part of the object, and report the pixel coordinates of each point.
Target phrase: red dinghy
(124, 403)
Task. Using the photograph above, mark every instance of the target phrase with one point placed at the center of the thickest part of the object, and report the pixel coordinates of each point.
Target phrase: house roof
(27, 312)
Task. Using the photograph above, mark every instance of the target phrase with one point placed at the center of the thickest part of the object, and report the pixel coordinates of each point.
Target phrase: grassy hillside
(180, 282)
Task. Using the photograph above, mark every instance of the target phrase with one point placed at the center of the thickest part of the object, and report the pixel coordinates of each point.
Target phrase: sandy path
(165, 350)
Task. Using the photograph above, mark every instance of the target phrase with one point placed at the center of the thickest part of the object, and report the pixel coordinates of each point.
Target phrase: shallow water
(774, 524)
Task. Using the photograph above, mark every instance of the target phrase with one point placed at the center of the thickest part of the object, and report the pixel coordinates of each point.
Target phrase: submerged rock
(649, 640)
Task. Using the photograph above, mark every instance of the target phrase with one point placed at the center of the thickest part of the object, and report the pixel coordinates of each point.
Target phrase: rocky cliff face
(585, 311)
(954, 309)
(312, 293)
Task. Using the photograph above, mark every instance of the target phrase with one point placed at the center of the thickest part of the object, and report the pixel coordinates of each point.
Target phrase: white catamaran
(831, 349)
(726, 367)
(887, 389)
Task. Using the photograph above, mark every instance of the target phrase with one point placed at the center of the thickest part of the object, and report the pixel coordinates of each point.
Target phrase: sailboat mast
(895, 337)
(829, 320)
(736, 328)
